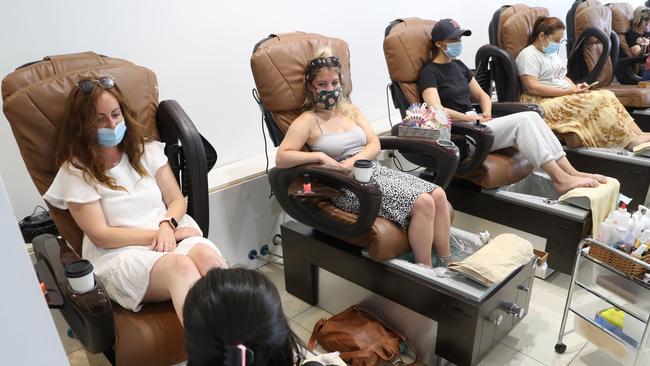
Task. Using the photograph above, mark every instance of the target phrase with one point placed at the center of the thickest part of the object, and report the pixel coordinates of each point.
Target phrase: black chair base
(641, 119)
(467, 330)
(562, 234)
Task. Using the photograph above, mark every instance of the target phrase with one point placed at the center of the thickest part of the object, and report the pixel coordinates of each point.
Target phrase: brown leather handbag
(359, 336)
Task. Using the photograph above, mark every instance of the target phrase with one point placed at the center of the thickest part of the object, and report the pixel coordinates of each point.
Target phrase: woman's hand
(185, 232)
(347, 164)
(485, 117)
(165, 240)
(580, 88)
(327, 160)
(642, 41)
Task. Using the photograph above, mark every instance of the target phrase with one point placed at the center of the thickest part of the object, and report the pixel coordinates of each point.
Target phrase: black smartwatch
(172, 221)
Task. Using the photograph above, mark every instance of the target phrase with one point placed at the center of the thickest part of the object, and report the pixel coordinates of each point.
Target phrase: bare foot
(572, 182)
(598, 177)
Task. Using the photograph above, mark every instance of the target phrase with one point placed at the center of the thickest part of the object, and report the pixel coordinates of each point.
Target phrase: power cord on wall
(388, 105)
(256, 96)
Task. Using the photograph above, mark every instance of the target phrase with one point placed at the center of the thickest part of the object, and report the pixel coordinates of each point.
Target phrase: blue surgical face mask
(553, 47)
(109, 137)
(454, 49)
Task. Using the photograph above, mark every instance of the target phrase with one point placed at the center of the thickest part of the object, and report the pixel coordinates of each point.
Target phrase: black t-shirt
(451, 80)
(632, 36)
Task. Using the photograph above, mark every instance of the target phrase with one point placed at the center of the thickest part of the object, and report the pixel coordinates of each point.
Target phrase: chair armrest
(504, 109)
(90, 315)
(503, 71)
(624, 72)
(189, 156)
(438, 154)
(304, 210)
(478, 135)
(576, 55)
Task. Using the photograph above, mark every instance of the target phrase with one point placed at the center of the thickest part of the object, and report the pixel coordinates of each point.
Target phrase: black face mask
(327, 99)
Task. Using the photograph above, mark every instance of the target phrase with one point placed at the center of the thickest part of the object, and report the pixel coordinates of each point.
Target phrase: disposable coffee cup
(80, 276)
(363, 170)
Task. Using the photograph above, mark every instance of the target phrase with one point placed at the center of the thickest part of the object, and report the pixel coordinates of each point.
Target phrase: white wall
(200, 51)
(27, 335)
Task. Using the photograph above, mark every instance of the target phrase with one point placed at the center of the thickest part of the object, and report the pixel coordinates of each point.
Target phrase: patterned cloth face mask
(327, 99)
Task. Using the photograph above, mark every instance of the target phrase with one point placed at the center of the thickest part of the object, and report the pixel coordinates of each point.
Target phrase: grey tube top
(341, 145)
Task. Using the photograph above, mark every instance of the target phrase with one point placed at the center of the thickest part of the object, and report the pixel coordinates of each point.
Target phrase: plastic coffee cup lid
(78, 268)
(362, 163)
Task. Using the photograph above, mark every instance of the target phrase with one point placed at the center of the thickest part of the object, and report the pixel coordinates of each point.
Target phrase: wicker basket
(618, 261)
(441, 133)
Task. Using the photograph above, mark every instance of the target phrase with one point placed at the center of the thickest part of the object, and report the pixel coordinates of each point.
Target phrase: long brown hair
(77, 141)
(546, 25)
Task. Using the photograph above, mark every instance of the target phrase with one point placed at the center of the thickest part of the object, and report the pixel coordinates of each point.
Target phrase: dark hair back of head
(235, 306)
(546, 25)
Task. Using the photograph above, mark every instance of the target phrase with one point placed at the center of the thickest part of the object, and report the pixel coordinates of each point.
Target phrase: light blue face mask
(454, 49)
(553, 47)
(109, 137)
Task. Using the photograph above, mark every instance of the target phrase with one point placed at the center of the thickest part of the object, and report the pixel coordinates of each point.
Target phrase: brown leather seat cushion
(631, 95)
(500, 168)
(384, 241)
(153, 336)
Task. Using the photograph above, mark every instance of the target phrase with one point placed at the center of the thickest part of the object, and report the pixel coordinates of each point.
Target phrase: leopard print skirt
(399, 192)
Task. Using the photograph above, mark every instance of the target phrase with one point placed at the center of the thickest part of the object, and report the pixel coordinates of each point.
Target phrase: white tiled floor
(529, 344)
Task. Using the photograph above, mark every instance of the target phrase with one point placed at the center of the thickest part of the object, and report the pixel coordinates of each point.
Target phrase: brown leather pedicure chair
(361, 247)
(33, 101)
(498, 186)
(509, 31)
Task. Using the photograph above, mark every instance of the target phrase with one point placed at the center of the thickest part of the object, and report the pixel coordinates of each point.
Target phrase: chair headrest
(278, 64)
(622, 14)
(516, 25)
(407, 48)
(592, 13)
(34, 99)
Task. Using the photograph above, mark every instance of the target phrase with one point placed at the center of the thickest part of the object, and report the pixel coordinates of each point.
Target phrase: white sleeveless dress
(124, 271)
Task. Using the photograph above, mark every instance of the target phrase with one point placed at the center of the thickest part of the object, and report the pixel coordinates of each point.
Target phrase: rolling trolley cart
(615, 312)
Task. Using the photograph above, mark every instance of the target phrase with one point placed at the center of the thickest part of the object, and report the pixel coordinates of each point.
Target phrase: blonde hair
(343, 106)
(640, 14)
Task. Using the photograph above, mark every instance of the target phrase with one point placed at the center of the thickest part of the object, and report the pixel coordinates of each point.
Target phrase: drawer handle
(523, 288)
(513, 309)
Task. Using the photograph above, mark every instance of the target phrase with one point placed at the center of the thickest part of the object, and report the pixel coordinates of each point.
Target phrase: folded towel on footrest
(496, 260)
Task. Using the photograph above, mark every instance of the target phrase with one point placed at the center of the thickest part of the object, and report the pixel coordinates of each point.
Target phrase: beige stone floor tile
(503, 355)
(78, 358)
(308, 318)
(592, 356)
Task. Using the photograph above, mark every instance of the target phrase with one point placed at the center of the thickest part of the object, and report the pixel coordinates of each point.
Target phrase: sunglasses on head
(321, 62)
(88, 85)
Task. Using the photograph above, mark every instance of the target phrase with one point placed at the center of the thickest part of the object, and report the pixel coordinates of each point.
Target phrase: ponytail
(546, 25)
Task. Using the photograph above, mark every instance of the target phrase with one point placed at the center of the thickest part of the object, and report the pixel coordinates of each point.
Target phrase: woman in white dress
(121, 192)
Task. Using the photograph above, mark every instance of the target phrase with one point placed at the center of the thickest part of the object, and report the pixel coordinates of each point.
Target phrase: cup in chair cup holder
(363, 170)
(80, 276)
